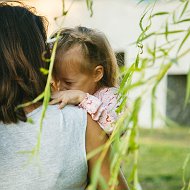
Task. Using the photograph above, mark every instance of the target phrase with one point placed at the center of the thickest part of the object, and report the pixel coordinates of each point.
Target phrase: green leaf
(141, 21)
(44, 71)
(94, 152)
(143, 36)
(160, 14)
(187, 159)
(29, 120)
(44, 56)
(174, 17)
(187, 95)
(163, 70)
(153, 107)
(184, 40)
(132, 174)
(137, 61)
(154, 53)
(89, 4)
(95, 175)
(38, 98)
(166, 31)
(171, 32)
(184, 53)
(64, 13)
(137, 106)
(184, 8)
(127, 77)
(140, 1)
(103, 183)
(122, 105)
(144, 30)
(184, 20)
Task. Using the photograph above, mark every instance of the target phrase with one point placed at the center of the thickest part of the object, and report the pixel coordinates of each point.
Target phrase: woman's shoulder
(69, 111)
(66, 110)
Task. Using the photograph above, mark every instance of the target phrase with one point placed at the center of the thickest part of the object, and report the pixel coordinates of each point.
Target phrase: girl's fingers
(54, 101)
(55, 95)
(62, 105)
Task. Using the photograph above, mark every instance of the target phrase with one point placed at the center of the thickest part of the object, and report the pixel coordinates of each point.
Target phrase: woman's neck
(32, 107)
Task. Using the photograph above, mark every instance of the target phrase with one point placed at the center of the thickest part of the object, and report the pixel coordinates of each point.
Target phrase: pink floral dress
(102, 107)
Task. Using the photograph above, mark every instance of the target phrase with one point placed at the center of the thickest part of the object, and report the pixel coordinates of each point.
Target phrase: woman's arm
(96, 137)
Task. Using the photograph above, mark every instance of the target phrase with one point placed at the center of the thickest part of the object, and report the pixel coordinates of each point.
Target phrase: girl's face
(71, 78)
(69, 75)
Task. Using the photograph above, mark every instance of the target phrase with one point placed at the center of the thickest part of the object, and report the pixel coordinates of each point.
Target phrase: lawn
(161, 156)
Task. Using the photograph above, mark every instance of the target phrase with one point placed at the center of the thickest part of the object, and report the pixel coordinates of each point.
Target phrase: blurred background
(164, 148)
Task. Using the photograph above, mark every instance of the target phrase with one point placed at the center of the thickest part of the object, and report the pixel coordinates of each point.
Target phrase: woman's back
(62, 162)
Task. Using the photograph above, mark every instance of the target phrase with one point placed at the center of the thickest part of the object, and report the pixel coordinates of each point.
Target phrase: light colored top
(62, 163)
(102, 107)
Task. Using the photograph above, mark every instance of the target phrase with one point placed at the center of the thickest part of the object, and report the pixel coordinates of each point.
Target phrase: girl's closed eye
(69, 83)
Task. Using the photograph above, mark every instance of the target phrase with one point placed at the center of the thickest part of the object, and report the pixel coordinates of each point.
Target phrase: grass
(161, 157)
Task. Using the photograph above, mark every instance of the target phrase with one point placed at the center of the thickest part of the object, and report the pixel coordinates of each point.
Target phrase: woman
(67, 135)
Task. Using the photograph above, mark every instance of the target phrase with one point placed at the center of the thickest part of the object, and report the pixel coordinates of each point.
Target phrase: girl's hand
(73, 97)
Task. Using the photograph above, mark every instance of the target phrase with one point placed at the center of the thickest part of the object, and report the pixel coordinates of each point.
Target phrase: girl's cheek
(64, 87)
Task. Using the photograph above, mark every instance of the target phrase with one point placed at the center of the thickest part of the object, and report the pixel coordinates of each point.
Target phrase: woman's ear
(98, 73)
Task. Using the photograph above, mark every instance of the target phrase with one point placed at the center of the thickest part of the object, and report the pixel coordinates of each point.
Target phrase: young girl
(85, 74)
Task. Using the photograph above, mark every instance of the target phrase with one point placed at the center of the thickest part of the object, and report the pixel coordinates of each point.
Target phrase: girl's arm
(96, 137)
(102, 107)
(73, 97)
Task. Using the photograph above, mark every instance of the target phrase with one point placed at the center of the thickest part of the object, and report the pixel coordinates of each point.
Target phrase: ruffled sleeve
(102, 107)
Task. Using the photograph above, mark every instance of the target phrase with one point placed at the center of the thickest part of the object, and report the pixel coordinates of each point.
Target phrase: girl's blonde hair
(95, 48)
